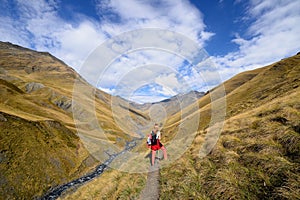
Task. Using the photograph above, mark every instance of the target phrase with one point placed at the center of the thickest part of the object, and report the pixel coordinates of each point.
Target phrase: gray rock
(31, 87)
(64, 103)
(2, 118)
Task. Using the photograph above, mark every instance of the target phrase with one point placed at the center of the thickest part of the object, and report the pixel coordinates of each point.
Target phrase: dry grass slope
(39, 146)
(257, 155)
(37, 155)
(111, 185)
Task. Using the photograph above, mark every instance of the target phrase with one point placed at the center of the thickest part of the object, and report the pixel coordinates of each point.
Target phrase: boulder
(2, 118)
(31, 87)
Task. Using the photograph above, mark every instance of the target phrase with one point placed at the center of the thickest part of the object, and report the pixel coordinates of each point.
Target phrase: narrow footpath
(151, 189)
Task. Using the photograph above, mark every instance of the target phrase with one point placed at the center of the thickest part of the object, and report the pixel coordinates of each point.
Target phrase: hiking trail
(151, 189)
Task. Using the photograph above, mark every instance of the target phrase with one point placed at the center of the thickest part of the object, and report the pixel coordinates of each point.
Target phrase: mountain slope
(172, 105)
(40, 147)
(257, 154)
(37, 155)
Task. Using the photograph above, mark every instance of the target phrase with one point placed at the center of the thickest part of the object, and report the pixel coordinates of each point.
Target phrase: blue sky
(237, 36)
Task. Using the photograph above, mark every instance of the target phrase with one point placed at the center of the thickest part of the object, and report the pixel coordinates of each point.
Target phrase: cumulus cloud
(169, 82)
(37, 25)
(139, 58)
(179, 16)
(273, 33)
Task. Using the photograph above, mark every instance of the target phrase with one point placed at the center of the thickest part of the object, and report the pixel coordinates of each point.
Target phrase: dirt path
(151, 190)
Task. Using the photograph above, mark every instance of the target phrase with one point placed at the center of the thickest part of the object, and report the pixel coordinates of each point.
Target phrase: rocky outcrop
(2, 118)
(64, 103)
(31, 87)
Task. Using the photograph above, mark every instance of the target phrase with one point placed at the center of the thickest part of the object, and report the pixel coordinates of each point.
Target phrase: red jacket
(153, 142)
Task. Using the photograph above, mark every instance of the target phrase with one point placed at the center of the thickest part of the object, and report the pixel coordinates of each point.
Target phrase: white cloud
(9, 32)
(181, 17)
(133, 78)
(77, 42)
(274, 34)
(169, 83)
(36, 24)
(150, 98)
(142, 65)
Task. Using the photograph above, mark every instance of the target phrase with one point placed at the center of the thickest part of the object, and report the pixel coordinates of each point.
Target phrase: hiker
(154, 143)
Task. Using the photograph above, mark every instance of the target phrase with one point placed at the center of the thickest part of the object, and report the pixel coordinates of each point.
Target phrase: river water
(56, 192)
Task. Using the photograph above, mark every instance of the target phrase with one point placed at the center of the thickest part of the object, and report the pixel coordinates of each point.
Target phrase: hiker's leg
(165, 152)
(153, 156)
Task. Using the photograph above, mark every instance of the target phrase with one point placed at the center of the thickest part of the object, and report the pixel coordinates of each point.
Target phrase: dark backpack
(153, 138)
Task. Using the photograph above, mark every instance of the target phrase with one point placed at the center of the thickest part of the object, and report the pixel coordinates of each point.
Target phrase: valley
(51, 137)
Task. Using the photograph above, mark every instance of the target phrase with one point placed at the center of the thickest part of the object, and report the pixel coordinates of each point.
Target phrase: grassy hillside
(37, 155)
(257, 154)
(39, 144)
(113, 184)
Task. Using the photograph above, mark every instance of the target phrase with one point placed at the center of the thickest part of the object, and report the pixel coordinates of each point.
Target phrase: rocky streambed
(57, 191)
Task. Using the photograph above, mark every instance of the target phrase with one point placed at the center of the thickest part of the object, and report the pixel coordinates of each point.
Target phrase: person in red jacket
(155, 144)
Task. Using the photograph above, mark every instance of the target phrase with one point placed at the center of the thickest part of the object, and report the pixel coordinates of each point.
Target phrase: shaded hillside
(257, 154)
(37, 155)
(40, 147)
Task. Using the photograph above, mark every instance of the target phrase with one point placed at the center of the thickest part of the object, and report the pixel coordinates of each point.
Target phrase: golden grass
(257, 154)
(112, 184)
(38, 155)
(42, 155)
